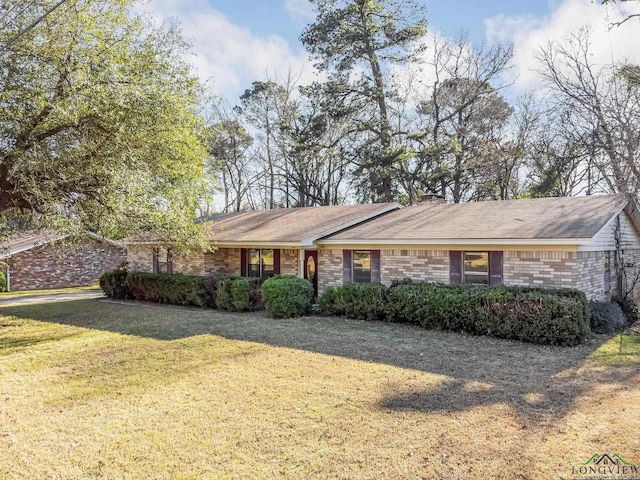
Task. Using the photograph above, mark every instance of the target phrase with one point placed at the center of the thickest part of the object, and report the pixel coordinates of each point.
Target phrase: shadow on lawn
(541, 383)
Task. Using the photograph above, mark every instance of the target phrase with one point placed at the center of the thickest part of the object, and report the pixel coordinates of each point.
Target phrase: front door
(311, 268)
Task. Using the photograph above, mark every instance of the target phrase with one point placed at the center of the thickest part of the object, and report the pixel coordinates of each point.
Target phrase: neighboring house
(258, 243)
(591, 243)
(545, 242)
(46, 259)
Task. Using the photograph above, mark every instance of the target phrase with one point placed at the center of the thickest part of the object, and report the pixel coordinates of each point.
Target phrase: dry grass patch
(91, 389)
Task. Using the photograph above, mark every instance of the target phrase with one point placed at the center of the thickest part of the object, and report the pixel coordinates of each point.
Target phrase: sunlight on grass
(622, 349)
(91, 389)
(50, 291)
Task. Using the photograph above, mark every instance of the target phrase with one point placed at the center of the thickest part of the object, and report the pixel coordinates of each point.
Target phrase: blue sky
(448, 17)
(236, 42)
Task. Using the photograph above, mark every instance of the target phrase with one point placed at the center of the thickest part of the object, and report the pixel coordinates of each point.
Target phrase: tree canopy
(100, 121)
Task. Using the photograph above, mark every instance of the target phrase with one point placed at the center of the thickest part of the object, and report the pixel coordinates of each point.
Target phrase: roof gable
(291, 225)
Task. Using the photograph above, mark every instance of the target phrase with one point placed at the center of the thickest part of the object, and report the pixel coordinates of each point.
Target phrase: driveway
(47, 297)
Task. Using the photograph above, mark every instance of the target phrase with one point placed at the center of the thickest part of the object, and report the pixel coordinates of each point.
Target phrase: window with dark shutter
(346, 266)
(375, 266)
(243, 262)
(455, 267)
(276, 262)
(495, 268)
(361, 266)
(260, 263)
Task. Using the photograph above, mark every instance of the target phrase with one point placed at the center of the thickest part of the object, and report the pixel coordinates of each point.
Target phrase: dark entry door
(311, 268)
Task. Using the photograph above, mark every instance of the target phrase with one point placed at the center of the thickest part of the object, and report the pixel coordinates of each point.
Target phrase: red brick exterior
(58, 265)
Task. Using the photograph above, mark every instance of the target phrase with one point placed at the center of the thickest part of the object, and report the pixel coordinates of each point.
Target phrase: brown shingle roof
(291, 224)
(527, 219)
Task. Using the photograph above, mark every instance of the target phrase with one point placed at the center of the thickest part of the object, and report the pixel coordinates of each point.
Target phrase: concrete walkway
(47, 297)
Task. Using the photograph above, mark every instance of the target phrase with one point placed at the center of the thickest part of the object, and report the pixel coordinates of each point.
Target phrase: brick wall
(189, 263)
(329, 269)
(525, 268)
(590, 274)
(539, 269)
(289, 262)
(419, 265)
(58, 265)
(140, 258)
(224, 261)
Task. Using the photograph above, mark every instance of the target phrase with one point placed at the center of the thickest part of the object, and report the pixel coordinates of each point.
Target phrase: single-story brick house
(257, 243)
(590, 243)
(46, 259)
(545, 242)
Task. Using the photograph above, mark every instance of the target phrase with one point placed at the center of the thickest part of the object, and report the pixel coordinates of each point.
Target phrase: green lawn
(90, 389)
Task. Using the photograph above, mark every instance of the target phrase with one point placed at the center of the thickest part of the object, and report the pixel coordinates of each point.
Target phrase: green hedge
(175, 289)
(556, 317)
(287, 296)
(361, 301)
(113, 283)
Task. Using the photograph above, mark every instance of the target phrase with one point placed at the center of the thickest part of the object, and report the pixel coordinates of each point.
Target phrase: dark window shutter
(375, 266)
(156, 260)
(495, 268)
(169, 261)
(243, 262)
(276, 262)
(346, 266)
(455, 267)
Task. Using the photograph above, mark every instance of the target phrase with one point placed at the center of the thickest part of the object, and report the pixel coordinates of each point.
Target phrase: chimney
(431, 200)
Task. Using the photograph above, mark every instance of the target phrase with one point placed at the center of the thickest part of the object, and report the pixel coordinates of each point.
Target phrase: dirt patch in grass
(97, 390)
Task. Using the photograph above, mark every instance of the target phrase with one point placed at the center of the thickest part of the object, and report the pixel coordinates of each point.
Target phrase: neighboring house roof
(290, 226)
(35, 238)
(531, 221)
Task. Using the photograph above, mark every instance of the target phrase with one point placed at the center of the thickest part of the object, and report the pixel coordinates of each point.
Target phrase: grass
(91, 389)
(50, 291)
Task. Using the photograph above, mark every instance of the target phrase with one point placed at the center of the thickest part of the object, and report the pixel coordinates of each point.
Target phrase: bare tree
(461, 116)
(604, 109)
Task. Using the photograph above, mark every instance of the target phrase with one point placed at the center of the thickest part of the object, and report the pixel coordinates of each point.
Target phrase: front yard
(90, 389)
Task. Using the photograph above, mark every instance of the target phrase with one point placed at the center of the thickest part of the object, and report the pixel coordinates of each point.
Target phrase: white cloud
(227, 53)
(301, 11)
(529, 34)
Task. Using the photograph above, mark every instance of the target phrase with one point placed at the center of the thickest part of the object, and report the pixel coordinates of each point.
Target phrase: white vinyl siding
(604, 239)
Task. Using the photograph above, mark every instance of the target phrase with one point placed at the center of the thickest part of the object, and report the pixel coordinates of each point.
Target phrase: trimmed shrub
(3, 282)
(224, 300)
(287, 296)
(114, 285)
(361, 301)
(175, 289)
(606, 317)
(240, 294)
(556, 317)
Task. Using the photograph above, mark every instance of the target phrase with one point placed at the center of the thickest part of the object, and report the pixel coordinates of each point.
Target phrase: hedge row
(555, 317)
(284, 295)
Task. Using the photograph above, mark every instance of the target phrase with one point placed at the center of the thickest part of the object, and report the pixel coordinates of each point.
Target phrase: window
(361, 266)
(162, 260)
(476, 268)
(260, 262)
